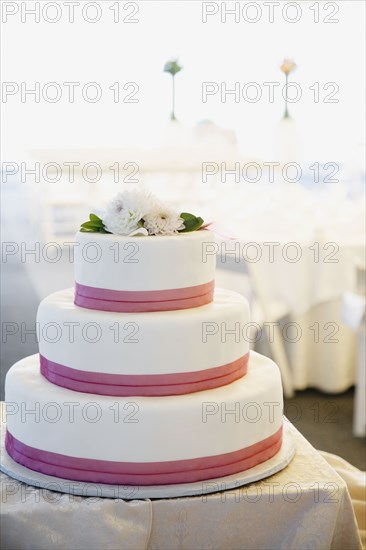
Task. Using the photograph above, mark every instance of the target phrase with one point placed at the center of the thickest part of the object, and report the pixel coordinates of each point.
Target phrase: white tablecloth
(320, 347)
(306, 506)
(324, 356)
(315, 237)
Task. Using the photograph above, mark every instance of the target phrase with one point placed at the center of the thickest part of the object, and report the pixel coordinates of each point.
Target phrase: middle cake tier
(146, 354)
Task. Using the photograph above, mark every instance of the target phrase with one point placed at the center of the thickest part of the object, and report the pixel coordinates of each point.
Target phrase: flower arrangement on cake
(138, 212)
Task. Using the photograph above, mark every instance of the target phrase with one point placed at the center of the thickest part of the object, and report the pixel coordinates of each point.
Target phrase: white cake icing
(183, 360)
(150, 429)
(144, 263)
(143, 343)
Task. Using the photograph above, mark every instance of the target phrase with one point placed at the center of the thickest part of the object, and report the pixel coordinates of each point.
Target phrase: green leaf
(92, 225)
(191, 222)
(93, 230)
(94, 218)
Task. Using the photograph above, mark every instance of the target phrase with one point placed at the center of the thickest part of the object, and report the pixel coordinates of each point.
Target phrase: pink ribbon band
(124, 385)
(142, 473)
(138, 301)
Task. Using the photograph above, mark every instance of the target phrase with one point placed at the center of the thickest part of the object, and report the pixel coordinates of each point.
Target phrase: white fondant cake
(134, 264)
(146, 379)
(154, 343)
(150, 431)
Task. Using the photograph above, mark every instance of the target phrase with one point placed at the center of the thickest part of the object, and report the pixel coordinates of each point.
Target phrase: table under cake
(305, 506)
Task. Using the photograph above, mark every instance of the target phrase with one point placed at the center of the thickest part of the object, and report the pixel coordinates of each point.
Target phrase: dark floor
(325, 420)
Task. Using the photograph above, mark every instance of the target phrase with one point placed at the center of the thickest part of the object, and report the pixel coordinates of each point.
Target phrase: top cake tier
(118, 273)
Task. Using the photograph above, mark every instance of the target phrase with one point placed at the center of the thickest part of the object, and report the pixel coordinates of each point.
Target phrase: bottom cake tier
(143, 440)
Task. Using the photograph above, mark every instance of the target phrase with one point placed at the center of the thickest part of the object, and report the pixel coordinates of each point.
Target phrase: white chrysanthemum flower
(125, 211)
(162, 220)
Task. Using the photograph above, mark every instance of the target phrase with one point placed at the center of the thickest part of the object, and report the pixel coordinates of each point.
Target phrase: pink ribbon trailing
(142, 473)
(219, 230)
(130, 301)
(123, 385)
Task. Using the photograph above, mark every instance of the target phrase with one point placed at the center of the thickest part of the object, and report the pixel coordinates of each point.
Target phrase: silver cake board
(131, 492)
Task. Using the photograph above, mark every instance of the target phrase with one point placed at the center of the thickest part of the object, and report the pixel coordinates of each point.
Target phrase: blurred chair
(353, 315)
(263, 311)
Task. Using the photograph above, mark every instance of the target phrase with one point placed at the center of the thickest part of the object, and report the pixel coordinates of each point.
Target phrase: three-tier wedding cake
(144, 375)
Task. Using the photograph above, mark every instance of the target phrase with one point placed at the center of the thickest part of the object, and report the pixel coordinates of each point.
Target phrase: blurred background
(87, 110)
